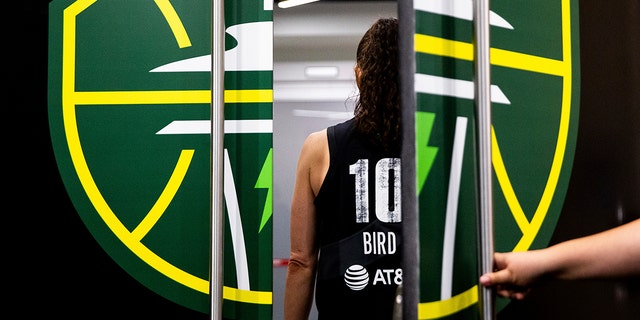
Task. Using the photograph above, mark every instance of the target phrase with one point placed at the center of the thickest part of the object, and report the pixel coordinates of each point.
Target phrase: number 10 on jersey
(387, 193)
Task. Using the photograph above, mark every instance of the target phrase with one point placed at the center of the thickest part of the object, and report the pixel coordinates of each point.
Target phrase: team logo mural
(534, 95)
(129, 113)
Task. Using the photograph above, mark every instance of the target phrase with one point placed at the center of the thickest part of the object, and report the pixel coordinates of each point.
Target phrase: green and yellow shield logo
(129, 111)
(534, 94)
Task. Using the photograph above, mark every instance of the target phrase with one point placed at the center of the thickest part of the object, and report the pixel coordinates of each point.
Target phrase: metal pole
(410, 221)
(483, 107)
(217, 157)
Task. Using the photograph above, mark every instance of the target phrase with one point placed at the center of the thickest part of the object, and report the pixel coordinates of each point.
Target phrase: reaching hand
(613, 253)
(516, 273)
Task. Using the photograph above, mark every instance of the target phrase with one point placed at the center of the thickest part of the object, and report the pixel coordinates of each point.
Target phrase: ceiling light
(321, 72)
(292, 3)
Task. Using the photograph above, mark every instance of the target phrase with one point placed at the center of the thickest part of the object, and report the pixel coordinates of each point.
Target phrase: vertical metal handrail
(483, 108)
(217, 157)
(410, 221)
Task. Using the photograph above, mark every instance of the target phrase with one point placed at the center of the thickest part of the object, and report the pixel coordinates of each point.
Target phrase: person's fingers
(497, 277)
(485, 280)
(499, 260)
(501, 277)
(520, 295)
(503, 293)
(510, 294)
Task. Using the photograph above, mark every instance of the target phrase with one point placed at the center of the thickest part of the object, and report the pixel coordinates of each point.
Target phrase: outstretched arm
(614, 253)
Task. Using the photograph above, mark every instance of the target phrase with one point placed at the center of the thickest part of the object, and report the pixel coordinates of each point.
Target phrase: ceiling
(321, 34)
(324, 30)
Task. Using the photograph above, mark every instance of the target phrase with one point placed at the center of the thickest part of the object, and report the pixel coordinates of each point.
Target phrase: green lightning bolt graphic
(265, 180)
(424, 153)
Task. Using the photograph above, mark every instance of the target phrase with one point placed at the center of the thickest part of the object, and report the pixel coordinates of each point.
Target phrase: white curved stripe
(254, 51)
(255, 47)
(461, 9)
(453, 197)
(230, 126)
(196, 64)
(267, 5)
(235, 222)
(463, 89)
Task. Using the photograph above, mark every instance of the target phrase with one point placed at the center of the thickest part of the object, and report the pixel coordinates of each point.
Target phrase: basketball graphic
(534, 116)
(130, 121)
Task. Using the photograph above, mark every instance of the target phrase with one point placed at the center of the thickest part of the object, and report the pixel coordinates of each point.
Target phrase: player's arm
(303, 257)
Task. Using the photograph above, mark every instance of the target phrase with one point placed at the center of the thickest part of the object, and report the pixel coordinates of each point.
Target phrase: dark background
(55, 267)
(604, 190)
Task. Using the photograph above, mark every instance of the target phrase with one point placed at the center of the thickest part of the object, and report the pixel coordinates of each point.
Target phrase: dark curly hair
(377, 109)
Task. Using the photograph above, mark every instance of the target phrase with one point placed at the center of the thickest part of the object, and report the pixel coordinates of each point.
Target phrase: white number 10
(387, 195)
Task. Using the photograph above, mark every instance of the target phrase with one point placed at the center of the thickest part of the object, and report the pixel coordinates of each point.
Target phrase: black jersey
(359, 229)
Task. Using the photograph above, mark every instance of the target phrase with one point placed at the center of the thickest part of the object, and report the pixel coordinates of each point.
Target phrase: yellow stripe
(443, 47)
(506, 186)
(248, 96)
(563, 132)
(143, 97)
(256, 297)
(439, 309)
(166, 197)
(510, 59)
(526, 62)
(175, 24)
(170, 97)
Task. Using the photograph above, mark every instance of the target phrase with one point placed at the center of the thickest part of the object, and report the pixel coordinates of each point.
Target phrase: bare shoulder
(314, 159)
(318, 136)
(315, 143)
